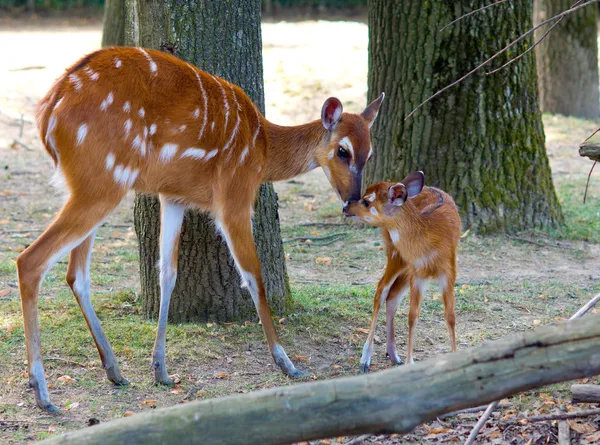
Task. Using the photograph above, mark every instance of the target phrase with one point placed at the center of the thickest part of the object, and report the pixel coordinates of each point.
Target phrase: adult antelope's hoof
(114, 375)
(364, 368)
(396, 361)
(296, 373)
(49, 408)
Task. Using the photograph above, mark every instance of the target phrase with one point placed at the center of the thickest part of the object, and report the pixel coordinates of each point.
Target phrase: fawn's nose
(346, 209)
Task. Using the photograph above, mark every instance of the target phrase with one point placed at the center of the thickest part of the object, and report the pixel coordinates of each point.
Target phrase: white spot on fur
(142, 112)
(139, 144)
(331, 154)
(125, 176)
(110, 161)
(211, 154)
(91, 73)
(145, 132)
(196, 113)
(127, 127)
(127, 107)
(118, 63)
(395, 236)
(107, 102)
(167, 152)
(374, 211)
(212, 126)
(368, 219)
(425, 259)
(76, 81)
(181, 128)
(152, 129)
(196, 153)
(81, 133)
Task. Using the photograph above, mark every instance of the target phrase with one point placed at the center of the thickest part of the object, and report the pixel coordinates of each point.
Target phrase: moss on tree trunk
(223, 38)
(567, 60)
(483, 140)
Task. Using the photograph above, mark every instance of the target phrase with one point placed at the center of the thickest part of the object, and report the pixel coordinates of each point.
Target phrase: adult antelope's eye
(343, 153)
(365, 203)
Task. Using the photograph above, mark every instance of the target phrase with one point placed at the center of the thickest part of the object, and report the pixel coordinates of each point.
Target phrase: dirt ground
(506, 284)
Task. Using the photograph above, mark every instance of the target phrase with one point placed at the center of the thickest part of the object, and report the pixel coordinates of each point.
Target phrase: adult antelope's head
(348, 148)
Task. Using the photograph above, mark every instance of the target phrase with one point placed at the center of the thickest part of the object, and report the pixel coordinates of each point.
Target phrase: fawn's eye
(366, 203)
(343, 153)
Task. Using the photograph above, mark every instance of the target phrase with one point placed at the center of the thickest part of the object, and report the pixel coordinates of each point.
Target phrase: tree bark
(482, 141)
(223, 38)
(567, 60)
(113, 31)
(393, 401)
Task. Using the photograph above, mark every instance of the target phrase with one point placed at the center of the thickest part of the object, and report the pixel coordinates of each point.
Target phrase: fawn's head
(384, 200)
(348, 146)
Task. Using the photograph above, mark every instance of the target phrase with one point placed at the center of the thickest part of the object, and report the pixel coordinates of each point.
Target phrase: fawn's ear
(331, 113)
(370, 113)
(397, 194)
(414, 183)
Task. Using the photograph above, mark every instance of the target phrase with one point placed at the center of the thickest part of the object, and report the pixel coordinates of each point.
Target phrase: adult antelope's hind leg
(78, 278)
(236, 227)
(171, 218)
(75, 222)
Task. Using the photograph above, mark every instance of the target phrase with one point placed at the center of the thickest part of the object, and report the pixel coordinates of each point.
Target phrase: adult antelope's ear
(397, 194)
(370, 113)
(331, 113)
(414, 183)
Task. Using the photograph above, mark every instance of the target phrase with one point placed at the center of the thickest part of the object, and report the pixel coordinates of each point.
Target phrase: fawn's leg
(235, 225)
(392, 270)
(171, 218)
(394, 299)
(447, 288)
(77, 219)
(78, 278)
(418, 287)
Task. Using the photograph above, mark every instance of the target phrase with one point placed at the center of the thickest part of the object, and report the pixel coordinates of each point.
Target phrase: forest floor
(505, 284)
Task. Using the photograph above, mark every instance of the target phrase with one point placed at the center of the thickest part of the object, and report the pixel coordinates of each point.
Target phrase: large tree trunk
(393, 401)
(223, 38)
(113, 31)
(567, 60)
(483, 140)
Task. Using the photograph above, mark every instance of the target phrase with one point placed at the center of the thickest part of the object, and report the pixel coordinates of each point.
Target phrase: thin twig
(476, 409)
(316, 238)
(503, 50)
(587, 184)
(358, 440)
(322, 224)
(586, 307)
(22, 144)
(561, 416)
(537, 243)
(473, 12)
(69, 362)
(482, 420)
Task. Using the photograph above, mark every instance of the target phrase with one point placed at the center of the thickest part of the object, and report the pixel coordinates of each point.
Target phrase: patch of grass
(8, 267)
(582, 221)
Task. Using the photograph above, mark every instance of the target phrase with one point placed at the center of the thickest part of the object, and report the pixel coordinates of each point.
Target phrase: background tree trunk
(483, 140)
(223, 38)
(113, 31)
(567, 60)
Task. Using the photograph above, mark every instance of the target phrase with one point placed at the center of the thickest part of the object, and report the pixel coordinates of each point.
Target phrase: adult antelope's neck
(292, 150)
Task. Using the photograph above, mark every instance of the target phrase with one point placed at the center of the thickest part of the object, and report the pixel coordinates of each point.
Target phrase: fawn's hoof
(364, 368)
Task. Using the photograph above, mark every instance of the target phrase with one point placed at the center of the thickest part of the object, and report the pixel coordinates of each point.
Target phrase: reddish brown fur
(82, 122)
(421, 237)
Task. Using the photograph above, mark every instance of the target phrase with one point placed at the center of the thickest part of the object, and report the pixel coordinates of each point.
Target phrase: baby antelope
(421, 229)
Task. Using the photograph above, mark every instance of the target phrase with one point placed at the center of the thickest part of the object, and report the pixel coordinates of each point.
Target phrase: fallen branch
(590, 150)
(476, 409)
(586, 307)
(391, 401)
(561, 416)
(585, 393)
(537, 243)
(358, 440)
(336, 235)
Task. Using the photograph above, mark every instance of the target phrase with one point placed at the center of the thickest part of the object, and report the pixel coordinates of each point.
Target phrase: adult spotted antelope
(421, 230)
(130, 118)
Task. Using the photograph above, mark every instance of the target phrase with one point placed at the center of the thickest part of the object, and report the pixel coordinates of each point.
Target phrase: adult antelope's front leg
(171, 217)
(235, 226)
(78, 278)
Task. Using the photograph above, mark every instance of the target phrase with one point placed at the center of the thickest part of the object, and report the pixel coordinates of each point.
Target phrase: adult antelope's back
(129, 118)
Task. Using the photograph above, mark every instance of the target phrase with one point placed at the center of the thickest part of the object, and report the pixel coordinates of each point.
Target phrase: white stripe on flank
(257, 128)
(81, 133)
(224, 102)
(345, 142)
(211, 154)
(244, 154)
(107, 102)
(196, 153)
(126, 107)
(127, 127)
(51, 126)
(57, 103)
(237, 123)
(205, 100)
(167, 152)
(110, 161)
(76, 81)
(153, 66)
